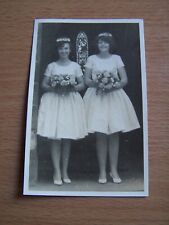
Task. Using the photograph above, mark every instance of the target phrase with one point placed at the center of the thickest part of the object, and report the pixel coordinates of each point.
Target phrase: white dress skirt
(110, 112)
(62, 116)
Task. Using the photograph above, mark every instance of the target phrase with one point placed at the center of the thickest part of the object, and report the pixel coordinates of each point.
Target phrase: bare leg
(113, 141)
(65, 159)
(101, 145)
(55, 153)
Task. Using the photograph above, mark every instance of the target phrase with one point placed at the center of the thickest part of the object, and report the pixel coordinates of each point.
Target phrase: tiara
(105, 35)
(63, 39)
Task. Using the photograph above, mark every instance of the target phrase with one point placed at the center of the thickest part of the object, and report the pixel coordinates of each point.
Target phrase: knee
(100, 136)
(115, 134)
(66, 141)
(56, 142)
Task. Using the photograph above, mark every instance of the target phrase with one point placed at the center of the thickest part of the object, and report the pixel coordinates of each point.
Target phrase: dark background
(83, 159)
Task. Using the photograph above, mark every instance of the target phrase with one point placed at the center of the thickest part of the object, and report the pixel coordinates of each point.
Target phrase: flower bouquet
(62, 82)
(105, 81)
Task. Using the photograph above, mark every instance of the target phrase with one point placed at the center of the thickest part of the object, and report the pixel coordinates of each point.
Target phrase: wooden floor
(16, 23)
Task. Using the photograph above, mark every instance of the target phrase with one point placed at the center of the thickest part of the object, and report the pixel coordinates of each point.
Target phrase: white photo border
(26, 190)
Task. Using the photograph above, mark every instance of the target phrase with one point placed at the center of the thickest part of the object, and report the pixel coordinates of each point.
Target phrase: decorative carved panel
(81, 49)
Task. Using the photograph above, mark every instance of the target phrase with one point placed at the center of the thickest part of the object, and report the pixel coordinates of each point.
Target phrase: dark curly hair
(108, 38)
(61, 43)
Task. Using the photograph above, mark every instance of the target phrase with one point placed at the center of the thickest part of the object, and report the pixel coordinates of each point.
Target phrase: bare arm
(88, 78)
(123, 77)
(45, 84)
(80, 84)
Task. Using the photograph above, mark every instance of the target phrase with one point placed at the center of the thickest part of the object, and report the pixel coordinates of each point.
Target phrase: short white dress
(62, 115)
(109, 112)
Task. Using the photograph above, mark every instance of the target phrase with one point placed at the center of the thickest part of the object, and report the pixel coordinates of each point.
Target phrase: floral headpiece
(106, 34)
(63, 39)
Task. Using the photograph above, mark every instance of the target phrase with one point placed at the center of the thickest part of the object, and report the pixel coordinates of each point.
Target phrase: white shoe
(67, 180)
(116, 180)
(102, 181)
(57, 182)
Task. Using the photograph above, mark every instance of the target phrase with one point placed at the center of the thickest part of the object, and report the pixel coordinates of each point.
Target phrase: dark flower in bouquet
(54, 80)
(105, 81)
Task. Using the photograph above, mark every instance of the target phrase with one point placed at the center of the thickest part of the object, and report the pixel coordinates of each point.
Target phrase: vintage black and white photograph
(86, 130)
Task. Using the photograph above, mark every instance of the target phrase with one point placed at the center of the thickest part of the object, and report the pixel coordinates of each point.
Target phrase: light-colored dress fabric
(110, 112)
(62, 115)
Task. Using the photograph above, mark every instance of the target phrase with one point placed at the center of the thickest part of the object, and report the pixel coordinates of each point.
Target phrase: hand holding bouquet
(54, 80)
(105, 81)
(63, 82)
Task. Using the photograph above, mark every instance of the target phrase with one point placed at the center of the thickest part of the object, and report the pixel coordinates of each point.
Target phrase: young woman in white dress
(61, 115)
(110, 112)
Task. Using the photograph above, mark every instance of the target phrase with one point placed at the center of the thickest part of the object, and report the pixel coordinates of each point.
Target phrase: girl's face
(103, 46)
(64, 51)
